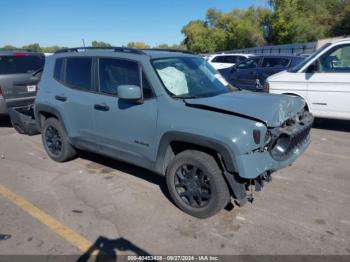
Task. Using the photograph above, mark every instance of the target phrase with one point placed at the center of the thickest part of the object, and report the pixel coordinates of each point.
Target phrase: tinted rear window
(78, 73)
(21, 64)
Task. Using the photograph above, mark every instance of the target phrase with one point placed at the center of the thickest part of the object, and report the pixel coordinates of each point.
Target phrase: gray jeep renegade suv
(172, 113)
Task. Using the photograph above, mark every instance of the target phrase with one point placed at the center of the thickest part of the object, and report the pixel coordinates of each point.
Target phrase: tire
(196, 175)
(65, 151)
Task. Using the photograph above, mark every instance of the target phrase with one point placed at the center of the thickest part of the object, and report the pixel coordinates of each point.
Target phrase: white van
(322, 79)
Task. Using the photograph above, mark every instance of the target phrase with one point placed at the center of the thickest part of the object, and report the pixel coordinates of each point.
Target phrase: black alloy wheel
(192, 185)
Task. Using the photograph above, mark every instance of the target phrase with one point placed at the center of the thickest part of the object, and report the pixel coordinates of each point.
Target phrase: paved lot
(305, 210)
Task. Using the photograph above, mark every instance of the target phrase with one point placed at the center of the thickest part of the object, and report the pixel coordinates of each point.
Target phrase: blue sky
(67, 22)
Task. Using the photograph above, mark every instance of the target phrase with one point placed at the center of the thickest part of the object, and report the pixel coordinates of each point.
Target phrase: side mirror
(129, 92)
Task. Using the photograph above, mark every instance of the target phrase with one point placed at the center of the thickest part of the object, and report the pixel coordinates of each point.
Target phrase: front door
(329, 86)
(124, 129)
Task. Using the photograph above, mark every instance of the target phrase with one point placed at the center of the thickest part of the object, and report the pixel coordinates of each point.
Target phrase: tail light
(266, 87)
(20, 54)
(1, 93)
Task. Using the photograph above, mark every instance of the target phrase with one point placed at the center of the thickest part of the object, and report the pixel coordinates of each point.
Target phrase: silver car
(19, 75)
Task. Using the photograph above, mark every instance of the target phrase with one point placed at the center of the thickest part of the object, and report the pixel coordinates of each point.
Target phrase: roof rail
(112, 48)
(168, 50)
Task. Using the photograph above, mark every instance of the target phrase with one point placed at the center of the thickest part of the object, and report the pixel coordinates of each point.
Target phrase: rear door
(17, 79)
(74, 98)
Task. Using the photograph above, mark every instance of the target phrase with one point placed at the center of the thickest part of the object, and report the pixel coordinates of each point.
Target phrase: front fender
(218, 146)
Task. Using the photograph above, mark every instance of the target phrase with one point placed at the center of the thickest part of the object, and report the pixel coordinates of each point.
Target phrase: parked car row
(251, 73)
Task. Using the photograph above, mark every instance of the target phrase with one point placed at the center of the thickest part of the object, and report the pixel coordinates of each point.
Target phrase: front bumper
(279, 153)
(254, 164)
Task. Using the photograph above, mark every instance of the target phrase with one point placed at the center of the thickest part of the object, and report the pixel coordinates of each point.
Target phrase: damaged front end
(289, 136)
(282, 146)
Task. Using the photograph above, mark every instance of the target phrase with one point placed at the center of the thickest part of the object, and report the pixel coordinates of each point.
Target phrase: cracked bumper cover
(255, 163)
(252, 165)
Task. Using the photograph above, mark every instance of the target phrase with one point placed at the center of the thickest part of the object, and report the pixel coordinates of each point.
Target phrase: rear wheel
(55, 141)
(196, 184)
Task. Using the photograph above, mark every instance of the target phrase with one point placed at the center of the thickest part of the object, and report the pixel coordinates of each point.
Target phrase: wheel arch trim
(194, 139)
(41, 108)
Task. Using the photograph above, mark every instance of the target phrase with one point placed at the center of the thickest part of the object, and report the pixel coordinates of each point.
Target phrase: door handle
(61, 98)
(101, 107)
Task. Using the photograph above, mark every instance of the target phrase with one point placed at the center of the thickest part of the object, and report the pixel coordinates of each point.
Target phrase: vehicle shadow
(129, 169)
(5, 121)
(107, 250)
(136, 171)
(332, 124)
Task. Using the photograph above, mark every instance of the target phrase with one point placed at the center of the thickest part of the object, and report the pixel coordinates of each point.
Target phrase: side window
(284, 62)
(219, 59)
(78, 73)
(240, 59)
(271, 62)
(228, 59)
(58, 71)
(249, 63)
(115, 72)
(337, 60)
(231, 59)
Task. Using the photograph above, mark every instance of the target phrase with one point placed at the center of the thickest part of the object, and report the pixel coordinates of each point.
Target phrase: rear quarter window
(21, 64)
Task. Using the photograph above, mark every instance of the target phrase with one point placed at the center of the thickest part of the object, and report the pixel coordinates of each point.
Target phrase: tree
(308, 20)
(223, 31)
(100, 44)
(51, 49)
(8, 47)
(288, 21)
(199, 37)
(339, 18)
(35, 47)
(138, 45)
(298, 21)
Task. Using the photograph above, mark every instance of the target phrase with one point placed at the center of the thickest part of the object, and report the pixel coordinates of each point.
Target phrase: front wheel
(196, 184)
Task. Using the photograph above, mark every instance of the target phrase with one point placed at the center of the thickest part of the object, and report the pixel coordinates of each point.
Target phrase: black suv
(252, 72)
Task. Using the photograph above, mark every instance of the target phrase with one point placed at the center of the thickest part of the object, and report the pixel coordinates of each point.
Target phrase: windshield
(308, 59)
(190, 77)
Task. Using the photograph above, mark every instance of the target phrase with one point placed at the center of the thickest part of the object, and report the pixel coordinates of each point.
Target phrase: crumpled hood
(268, 108)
